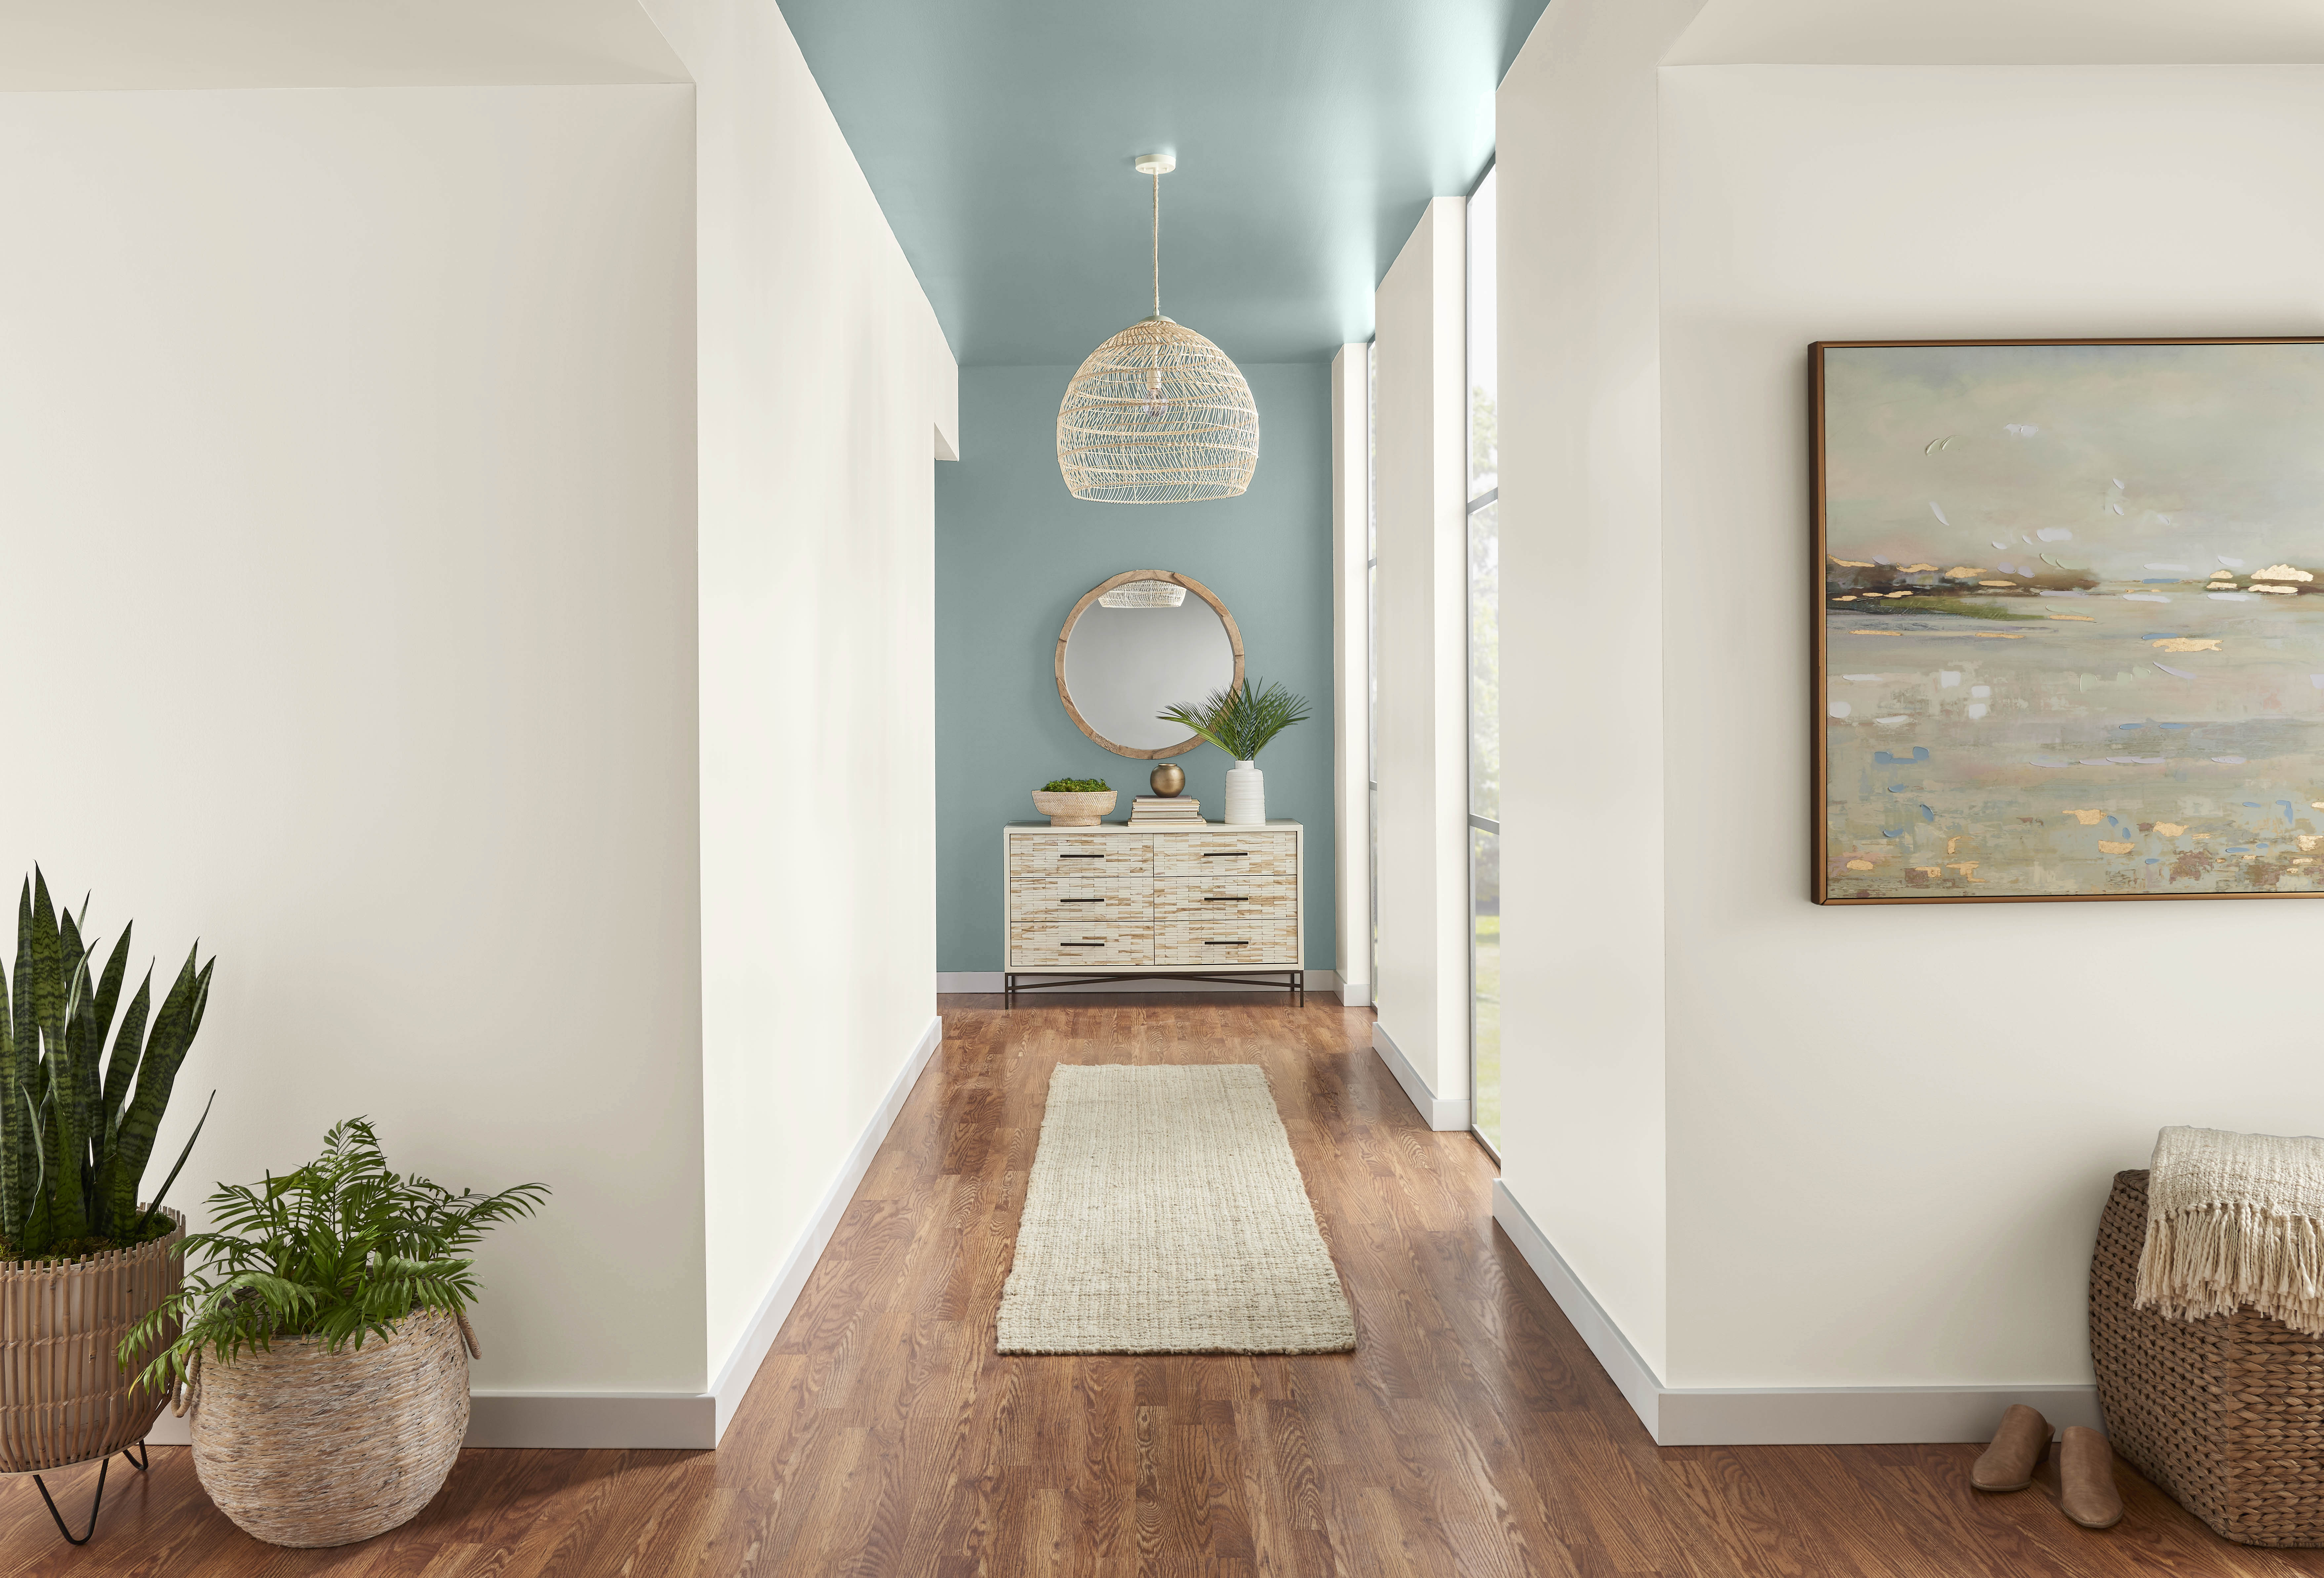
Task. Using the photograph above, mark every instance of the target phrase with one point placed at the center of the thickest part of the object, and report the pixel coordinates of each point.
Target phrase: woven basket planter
(2226, 1413)
(64, 1398)
(304, 1447)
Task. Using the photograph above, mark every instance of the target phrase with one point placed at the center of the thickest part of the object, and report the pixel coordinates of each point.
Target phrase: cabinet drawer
(1076, 901)
(1220, 855)
(1261, 941)
(1080, 854)
(1211, 900)
(1040, 945)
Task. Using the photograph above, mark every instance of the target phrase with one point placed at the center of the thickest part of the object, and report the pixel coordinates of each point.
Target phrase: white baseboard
(1355, 993)
(1437, 1111)
(679, 1420)
(1632, 1376)
(1319, 982)
(682, 1420)
(1776, 1415)
(741, 1365)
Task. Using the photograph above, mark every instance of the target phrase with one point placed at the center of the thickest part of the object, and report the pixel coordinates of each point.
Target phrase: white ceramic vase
(1246, 795)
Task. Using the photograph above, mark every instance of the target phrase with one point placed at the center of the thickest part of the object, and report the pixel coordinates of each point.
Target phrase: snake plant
(77, 1126)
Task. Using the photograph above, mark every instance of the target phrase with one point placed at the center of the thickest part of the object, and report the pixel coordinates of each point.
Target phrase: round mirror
(1144, 641)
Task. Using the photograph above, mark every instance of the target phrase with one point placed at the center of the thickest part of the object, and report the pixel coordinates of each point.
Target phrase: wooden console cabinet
(1114, 902)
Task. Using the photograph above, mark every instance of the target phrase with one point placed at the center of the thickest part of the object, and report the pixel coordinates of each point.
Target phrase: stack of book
(1154, 811)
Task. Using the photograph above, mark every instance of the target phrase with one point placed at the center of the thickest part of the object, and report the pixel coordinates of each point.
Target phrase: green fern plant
(1241, 719)
(342, 1248)
(77, 1126)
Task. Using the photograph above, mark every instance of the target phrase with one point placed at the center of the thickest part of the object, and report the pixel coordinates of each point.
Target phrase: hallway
(1470, 1434)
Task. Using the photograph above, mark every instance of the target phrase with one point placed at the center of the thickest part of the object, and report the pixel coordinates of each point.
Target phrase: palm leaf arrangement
(1241, 719)
(340, 1249)
(77, 1126)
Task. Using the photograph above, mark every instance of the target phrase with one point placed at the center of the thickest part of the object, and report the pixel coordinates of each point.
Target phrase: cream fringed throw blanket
(2234, 1219)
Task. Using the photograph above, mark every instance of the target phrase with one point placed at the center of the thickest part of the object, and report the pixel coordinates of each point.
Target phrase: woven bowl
(304, 1447)
(1074, 810)
(63, 1398)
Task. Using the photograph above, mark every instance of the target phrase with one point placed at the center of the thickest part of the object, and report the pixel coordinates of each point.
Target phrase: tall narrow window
(1484, 682)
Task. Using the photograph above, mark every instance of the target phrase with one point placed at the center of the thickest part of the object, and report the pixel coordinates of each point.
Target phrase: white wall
(1421, 475)
(1874, 1143)
(1351, 669)
(2060, 32)
(827, 391)
(116, 44)
(346, 442)
(359, 427)
(1891, 1133)
(1582, 657)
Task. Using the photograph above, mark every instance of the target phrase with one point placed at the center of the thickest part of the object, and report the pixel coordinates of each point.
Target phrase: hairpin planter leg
(94, 1506)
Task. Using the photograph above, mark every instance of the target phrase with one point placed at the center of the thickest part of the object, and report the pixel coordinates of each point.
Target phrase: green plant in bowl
(1076, 785)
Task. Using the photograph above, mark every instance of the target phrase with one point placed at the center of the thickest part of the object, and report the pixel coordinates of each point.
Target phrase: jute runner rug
(1166, 1214)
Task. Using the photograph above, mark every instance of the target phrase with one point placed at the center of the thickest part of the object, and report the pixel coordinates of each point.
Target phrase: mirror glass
(1118, 667)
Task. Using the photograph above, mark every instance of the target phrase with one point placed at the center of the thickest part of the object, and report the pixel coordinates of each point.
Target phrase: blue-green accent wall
(1015, 552)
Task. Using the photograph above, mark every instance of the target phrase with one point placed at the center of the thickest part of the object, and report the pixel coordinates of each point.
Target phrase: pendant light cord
(1157, 244)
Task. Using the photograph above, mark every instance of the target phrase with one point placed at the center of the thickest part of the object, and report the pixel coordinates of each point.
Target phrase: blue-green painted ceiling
(998, 136)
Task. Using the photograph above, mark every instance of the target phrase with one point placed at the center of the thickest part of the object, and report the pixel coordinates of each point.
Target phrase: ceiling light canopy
(1158, 414)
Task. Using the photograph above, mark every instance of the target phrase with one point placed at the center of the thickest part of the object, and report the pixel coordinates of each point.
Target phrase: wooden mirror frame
(1234, 640)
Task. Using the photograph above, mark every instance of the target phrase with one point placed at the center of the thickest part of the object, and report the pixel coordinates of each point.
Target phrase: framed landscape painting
(2069, 629)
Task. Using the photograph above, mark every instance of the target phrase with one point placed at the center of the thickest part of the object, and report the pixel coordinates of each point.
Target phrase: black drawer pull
(1230, 898)
(1081, 945)
(1224, 853)
(1080, 900)
(1081, 857)
(1239, 942)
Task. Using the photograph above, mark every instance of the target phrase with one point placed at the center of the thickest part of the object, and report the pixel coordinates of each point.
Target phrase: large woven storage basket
(304, 1447)
(64, 1398)
(2226, 1413)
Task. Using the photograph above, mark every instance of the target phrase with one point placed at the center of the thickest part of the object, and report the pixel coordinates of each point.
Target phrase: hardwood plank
(1470, 1434)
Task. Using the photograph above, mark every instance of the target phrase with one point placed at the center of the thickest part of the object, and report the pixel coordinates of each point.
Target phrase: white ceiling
(2024, 33)
(53, 45)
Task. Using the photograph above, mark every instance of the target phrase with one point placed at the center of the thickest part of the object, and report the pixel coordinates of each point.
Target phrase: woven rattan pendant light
(1157, 415)
(1145, 595)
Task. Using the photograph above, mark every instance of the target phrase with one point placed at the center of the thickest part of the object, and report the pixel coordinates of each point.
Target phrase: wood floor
(1471, 1433)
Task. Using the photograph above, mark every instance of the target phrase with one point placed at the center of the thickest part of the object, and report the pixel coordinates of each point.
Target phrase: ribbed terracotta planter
(304, 1447)
(64, 1397)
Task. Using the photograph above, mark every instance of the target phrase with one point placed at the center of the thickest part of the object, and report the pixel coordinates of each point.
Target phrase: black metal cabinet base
(1295, 982)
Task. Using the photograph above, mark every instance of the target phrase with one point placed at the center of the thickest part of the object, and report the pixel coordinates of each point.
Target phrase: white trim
(1326, 982)
(1420, 729)
(741, 1366)
(1351, 509)
(678, 1420)
(1776, 1415)
(682, 1420)
(1859, 1416)
(1632, 1376)
(1437, 1110)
